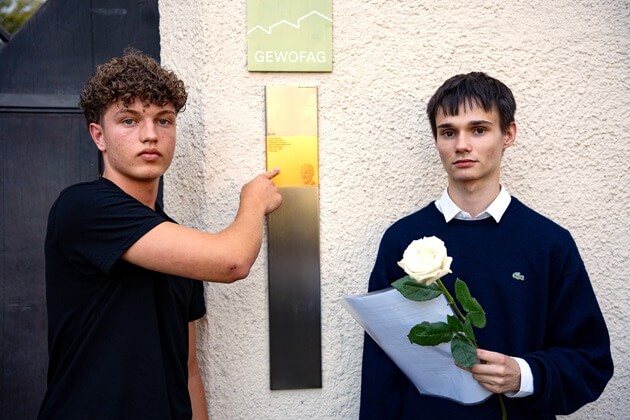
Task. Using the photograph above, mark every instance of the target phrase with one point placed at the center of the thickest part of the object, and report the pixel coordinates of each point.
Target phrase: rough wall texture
(567, 63)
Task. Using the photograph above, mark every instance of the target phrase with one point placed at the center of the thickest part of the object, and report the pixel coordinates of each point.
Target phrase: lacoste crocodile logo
(518, 276)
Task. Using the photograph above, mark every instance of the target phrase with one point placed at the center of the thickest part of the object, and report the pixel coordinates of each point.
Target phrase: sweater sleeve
(575, 364)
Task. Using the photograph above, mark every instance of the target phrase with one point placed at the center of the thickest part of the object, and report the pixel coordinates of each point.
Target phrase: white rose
(425, 260)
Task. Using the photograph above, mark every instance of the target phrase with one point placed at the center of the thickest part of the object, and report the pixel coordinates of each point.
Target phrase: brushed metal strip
(294, 291)
(293, 239)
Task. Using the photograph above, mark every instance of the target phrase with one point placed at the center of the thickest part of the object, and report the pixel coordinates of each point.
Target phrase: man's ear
(510, 135)
(96, 131)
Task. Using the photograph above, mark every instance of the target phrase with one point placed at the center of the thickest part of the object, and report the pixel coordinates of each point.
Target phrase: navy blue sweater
(527, 274)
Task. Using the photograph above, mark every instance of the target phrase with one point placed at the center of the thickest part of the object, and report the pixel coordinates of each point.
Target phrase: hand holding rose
(426, 261)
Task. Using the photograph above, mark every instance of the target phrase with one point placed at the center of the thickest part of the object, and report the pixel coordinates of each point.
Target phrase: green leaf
(478, 319)
(470, 304)
(455, 324)
(463, 294)
(463, 351)
(468, 330)
(410, 289)
(430, 333)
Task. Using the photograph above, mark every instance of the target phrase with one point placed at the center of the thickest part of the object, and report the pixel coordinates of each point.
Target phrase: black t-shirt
(118, 333)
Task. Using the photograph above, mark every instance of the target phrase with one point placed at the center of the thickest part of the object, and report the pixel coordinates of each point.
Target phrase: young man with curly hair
(123, 280)
(545, 346)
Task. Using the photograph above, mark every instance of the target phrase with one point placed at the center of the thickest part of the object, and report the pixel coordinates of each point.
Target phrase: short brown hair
(471, 89)
(133, 75)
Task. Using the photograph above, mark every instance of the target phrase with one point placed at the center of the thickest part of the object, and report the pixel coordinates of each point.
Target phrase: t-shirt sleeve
(94, 224)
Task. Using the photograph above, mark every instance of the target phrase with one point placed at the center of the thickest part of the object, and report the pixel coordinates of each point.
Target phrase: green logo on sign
(285, 35)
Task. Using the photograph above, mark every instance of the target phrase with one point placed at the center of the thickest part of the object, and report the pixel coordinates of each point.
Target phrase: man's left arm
(573, 364)
(195, 383)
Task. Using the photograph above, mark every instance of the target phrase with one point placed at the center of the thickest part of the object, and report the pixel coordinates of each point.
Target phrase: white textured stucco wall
(567, 63)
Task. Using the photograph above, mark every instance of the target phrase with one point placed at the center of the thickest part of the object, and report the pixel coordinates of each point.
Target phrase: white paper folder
(387, 316)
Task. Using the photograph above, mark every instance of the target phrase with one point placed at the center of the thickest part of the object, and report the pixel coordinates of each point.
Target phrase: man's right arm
(226, 256)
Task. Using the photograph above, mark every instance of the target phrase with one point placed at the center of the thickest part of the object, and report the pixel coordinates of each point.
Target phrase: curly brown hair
(133, 75)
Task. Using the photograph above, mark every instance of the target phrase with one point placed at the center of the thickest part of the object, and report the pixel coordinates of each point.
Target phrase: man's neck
(144, 192)
(473, 198)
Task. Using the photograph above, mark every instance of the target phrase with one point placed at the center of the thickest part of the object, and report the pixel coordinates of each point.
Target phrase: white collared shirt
(496, 209)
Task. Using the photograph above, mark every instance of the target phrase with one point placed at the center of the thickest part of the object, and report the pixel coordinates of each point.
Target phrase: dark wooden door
(45, 146)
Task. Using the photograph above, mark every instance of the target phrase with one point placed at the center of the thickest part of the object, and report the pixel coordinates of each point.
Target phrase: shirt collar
(451, 211)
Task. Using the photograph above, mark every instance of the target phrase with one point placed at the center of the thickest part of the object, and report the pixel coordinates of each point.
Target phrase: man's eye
(448, 133)
(480, 130)
(127, 121)
(164, 122)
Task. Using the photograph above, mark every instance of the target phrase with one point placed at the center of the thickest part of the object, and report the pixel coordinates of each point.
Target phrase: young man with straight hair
(123, 280)
(545, 346)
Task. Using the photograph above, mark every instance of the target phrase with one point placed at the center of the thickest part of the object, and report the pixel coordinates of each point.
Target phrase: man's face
(306, 173)
(137, 142)
(471, 145)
